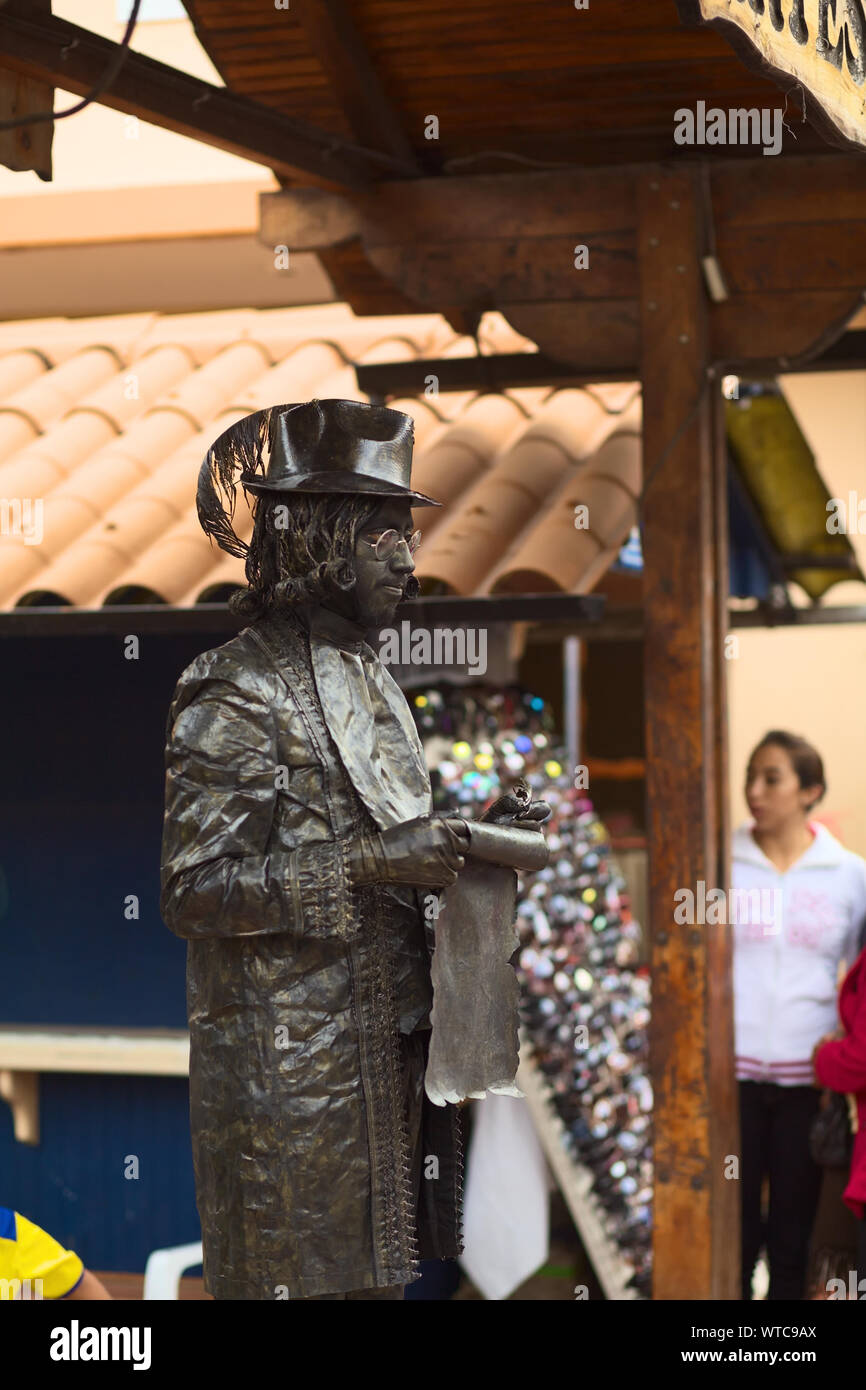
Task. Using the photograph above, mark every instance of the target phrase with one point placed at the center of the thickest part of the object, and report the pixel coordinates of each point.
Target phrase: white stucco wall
(813, 680)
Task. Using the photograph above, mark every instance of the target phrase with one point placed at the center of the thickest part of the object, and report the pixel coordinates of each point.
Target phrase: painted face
(773, 790)
(381, 583)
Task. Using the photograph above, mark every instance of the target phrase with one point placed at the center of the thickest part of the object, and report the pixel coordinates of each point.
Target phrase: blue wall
(73, 1184)
(81, 797)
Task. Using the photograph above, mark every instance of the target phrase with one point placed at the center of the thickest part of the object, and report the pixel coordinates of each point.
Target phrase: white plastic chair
(761, 1279)
(164, 1268)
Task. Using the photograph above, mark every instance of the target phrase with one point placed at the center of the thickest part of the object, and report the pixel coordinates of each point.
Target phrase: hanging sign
(820, 44)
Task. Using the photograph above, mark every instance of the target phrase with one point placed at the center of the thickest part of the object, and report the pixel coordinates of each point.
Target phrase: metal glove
(517, 808)
(425, 852)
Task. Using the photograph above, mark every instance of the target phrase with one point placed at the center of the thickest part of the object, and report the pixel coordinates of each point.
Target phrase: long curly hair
(302, 551)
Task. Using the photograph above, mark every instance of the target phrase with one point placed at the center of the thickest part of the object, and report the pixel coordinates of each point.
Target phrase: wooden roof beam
(506, 241)
(48, 49)
(498, 371)
(356, 84)
(747, 195)
(485, 206)
(503, 371)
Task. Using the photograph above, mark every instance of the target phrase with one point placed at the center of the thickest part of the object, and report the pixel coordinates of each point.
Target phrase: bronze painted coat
(300, 1150)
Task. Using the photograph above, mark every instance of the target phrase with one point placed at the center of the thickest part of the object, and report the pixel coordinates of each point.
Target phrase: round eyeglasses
(390, 540)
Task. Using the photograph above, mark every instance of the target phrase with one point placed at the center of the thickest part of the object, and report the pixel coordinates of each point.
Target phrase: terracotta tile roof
(104, 422)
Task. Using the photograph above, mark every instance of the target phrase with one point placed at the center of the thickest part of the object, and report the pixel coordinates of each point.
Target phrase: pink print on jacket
(809, 914)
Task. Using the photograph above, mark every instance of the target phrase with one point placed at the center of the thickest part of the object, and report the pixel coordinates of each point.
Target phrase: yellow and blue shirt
(29, 1253)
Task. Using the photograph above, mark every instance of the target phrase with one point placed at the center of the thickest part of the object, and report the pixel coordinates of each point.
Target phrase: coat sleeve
(218, 878)
(841, 1066)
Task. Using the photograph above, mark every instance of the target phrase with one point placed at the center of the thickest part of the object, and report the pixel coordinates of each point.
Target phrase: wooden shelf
(26, 1052)
(574, 1181)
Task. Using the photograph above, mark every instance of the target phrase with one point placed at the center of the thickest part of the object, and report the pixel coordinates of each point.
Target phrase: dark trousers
(774, 1137)
(861, 1254)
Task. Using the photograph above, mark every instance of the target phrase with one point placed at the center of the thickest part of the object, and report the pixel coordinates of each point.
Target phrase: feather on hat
(319, 447)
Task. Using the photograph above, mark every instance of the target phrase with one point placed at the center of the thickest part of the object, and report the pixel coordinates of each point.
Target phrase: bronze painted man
(298, 848)
(299, 843)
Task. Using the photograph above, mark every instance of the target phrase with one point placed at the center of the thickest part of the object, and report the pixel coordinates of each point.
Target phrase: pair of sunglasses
(390, 540)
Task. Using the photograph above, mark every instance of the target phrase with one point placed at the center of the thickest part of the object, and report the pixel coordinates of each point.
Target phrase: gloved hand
(425, 852)
(515, 809)
(538, 812)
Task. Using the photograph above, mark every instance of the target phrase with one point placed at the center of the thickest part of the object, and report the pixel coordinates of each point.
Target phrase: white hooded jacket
(786, 962)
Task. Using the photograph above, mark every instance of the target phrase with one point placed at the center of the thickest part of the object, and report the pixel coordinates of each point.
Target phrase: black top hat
(321, 447)
(340, 447)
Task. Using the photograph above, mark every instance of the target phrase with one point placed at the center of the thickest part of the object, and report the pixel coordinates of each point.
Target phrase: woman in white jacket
(789, 940)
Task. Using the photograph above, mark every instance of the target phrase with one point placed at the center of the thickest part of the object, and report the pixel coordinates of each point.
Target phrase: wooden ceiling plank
(339, 48)
(656, 92)
(559, 22)
(550, 87)
(51, 50)
(476, 53)
(425, 19)
(536, 81)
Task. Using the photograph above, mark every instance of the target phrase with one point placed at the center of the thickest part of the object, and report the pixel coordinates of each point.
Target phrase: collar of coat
(332, 627)
(368, 719)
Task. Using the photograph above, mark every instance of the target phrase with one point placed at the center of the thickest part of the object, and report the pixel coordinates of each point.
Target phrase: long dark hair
(302, 551)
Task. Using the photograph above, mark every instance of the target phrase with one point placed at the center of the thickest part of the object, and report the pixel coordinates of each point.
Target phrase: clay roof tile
(107, 444)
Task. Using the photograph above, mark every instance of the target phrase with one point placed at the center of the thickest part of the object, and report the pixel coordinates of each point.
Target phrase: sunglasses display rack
(585, 998)
(574, 1179)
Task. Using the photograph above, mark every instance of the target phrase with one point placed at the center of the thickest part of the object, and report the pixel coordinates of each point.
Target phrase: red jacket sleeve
(841, 1066)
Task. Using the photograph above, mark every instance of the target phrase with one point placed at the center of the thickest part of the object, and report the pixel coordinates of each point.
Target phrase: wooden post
(27, 146)
(696, 1214)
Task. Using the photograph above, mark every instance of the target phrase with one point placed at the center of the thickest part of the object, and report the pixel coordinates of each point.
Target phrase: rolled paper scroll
(474, 1040)
(507, 845)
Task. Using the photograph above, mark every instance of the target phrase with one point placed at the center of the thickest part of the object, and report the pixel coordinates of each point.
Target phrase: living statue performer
(299, 844)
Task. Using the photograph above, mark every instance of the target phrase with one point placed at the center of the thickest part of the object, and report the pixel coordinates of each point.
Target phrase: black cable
(40, 117)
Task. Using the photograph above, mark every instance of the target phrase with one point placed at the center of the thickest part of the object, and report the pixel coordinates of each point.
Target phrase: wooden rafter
(50, 50)
(357, 87)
